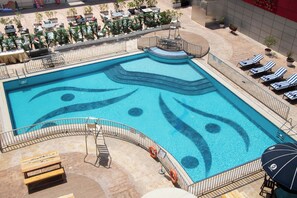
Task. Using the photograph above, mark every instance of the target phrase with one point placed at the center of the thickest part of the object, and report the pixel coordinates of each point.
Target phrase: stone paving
(132, 172)
(139, 175)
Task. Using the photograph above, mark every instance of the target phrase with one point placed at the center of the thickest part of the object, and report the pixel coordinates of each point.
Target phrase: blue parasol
(280, 163)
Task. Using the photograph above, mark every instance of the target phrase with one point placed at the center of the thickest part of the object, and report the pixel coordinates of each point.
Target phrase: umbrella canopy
(280, 163)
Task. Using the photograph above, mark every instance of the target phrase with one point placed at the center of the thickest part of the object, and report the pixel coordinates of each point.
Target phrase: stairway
(120, 75)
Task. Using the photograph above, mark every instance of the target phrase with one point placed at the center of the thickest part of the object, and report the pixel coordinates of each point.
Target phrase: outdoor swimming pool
(202, 124)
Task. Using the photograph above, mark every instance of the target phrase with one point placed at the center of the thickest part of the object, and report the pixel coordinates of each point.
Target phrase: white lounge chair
(256, 59)
(277, 75)
(268, 66)
(290, 82)
(292, 95)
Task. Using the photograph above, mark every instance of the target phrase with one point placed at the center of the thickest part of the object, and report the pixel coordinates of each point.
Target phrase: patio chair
(252, 61)
(292, 95)
(290, 82)
(267, 67)
(277, 75)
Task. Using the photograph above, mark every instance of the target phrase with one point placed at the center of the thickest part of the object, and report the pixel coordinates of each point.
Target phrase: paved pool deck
(133, 172)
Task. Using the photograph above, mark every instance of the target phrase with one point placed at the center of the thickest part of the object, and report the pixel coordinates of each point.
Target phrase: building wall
(284, 8)
(258, 24)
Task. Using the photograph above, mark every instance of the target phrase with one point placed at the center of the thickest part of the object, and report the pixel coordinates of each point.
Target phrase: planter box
(71, 19)
(105, 12)
(90, 15)
(53, 20)
(132, 11)
(38, 52)
(176, 5)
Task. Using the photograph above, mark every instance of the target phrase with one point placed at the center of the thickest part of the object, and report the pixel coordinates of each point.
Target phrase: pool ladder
(103, 156)
(22, 81)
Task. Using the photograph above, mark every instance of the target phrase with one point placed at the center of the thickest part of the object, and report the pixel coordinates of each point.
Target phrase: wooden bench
(47, 178)
(43, 169)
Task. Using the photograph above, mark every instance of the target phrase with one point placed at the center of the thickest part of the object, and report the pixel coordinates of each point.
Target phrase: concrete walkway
(132, 173)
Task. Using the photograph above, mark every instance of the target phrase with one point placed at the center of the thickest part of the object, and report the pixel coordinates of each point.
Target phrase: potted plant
(38, 18)
(233, 28)
(119, 5)
(71, 14)
(131, 7)
(269, 42)
(51, 16)
(175, 16)
(5, 21)
(151, 3)
(17, 20)
(176, 3)
(165, 17)
(290, 59)
(139, 4)
(103, 8)
(88, 11)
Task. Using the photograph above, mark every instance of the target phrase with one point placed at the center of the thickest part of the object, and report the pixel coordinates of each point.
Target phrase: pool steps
(120, 75)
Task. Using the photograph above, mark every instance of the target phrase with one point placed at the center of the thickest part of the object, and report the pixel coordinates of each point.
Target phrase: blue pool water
(202, 124)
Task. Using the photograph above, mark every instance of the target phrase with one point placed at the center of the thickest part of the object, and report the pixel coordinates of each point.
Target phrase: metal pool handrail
(77, 126)
(263, 96)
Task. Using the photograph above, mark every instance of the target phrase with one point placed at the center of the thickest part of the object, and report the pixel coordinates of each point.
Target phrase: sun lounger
(277, 75)
(290, 82)
(256, 59)
(268, 66)
(292, 95)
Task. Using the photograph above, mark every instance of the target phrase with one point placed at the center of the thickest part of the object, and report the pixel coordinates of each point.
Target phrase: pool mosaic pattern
(164, 108)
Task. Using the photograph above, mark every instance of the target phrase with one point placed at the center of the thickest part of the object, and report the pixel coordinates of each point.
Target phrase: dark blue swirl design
(69, 89)
(189, 132)
(233, 124)
(83, 107)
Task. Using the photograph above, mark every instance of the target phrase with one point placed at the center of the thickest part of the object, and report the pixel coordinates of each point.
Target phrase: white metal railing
(155, 41)
(252, 88)
(76, 56)
(77, 126)
(222, 179)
